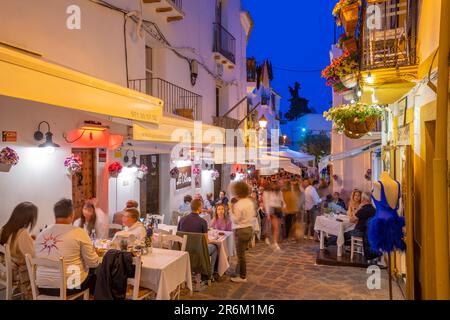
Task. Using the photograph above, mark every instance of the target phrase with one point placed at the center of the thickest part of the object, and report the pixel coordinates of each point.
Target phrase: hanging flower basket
(349, 18)
(350, 81)
(233, 176)
(142, 171)
(73, 164)
(196, 170)
(347, 44)
(8, 159)
(115, 169)
(354, 120)
(215, 175)
(174, 173)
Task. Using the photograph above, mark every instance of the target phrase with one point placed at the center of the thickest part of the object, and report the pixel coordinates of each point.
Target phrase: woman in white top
(91, 222)
(16, 234)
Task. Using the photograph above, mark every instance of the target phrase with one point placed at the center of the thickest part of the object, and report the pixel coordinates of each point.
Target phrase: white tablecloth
(331, 226)
(163, 270)
(225, 245)
(168, 228)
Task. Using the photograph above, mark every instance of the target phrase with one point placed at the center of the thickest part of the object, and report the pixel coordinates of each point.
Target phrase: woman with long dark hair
(16, 234)
(90, 222)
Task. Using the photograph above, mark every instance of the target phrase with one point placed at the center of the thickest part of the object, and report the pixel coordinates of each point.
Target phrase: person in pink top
(221, 220)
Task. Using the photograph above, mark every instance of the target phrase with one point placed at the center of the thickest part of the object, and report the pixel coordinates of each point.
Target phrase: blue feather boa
(386, 235)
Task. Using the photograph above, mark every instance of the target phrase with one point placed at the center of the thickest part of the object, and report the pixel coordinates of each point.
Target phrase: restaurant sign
(9, 136)
(184, 179)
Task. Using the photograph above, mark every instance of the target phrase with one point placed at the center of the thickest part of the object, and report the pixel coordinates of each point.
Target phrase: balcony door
(84, 182)
(149, 186)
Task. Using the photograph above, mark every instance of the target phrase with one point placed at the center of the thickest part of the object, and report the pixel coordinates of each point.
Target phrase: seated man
(338, 201)
(332, 206)
(133, 226)
(71, 243)
(194, 223)
(185, 207)
(361, 219)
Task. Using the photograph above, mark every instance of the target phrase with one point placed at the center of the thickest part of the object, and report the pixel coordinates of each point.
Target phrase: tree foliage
(318, 145)
(298, 105)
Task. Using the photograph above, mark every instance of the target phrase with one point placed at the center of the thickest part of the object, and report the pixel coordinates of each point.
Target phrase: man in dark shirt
(196, 224)
(222, 198)
(337, 200)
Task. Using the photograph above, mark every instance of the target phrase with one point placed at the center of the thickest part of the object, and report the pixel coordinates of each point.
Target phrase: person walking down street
(242, 215)
(291, 199)
(274, 205)
(312, 202)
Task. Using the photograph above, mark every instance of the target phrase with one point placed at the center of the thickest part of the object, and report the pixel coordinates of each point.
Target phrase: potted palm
(354, 120)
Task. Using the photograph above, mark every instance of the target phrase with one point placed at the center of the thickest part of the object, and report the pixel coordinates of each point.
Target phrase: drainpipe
(440, 165)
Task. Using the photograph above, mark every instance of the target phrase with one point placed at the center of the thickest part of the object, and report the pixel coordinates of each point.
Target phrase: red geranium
(115, 168)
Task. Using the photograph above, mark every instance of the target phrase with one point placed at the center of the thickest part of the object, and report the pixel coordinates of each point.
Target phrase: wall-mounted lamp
(370, 79)
(49, 145)
(193, 66)
(263, 122)
(133, 164)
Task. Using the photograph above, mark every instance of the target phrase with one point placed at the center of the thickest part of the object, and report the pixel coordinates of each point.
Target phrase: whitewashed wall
(40, 177)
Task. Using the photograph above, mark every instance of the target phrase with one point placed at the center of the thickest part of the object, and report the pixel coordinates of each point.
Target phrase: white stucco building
(141, 69)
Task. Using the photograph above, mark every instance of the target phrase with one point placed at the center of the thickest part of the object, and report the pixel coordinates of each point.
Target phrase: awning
(294, 155)
(25, 77)
(291, 168)
(348, 154)
(173, 129)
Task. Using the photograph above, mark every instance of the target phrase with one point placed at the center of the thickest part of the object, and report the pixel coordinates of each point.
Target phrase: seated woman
(16, 233)
(221, 220)
(354, 203)
(133, 226)
(91, 223)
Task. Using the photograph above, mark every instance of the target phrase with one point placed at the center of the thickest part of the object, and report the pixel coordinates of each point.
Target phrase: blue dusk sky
(294, 34)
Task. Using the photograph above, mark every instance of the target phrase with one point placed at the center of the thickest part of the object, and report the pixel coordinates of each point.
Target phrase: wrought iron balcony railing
(388, 34)
(177, 100)
(224, 43)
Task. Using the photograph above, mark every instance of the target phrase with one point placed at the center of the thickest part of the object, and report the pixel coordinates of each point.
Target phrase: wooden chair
(58, 265)
(6, 271)
(135, 292)
(356, 246)
(171, 239)
(159, 233)
(113, 228)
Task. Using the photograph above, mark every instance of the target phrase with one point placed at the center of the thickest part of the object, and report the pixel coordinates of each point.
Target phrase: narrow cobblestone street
(292, 275)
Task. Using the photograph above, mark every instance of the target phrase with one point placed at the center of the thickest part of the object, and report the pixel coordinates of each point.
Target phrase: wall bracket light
(39, 136)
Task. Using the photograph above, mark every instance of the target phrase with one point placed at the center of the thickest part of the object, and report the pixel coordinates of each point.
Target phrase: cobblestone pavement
(292, 275)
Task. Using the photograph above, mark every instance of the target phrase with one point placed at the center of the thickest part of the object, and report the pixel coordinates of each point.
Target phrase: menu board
(184, 179)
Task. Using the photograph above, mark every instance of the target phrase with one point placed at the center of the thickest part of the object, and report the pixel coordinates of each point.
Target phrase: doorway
(149, 186)
(84, 182)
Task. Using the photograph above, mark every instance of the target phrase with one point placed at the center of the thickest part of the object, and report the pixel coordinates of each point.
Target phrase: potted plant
(115, 169)
(354, 120)
(8, 158)
(341, 73)
(346, 13)
(347, 43)
(215, 175)
(73, 164)
(142, 171)
(196, 170)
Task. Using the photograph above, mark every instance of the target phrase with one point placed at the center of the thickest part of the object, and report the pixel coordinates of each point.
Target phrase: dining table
(163, 270)
(224, 240)
(335, 225)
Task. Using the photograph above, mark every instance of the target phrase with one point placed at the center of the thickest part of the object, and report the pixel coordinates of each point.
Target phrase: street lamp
(263, 122)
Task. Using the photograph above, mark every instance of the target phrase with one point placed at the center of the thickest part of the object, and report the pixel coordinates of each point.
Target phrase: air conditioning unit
(219, 69)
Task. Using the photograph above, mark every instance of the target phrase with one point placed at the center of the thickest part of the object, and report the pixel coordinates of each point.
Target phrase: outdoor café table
(164, 270)
(225, 245)
(329, 224)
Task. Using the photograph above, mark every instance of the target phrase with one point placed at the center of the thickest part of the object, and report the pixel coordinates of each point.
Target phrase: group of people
(237, 215)
(69, 238)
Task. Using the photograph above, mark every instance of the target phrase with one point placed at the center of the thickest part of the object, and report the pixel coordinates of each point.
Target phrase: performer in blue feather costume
(386, 228)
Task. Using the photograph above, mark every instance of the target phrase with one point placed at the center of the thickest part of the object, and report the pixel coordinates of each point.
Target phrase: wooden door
(84, 182)
(149, 188)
